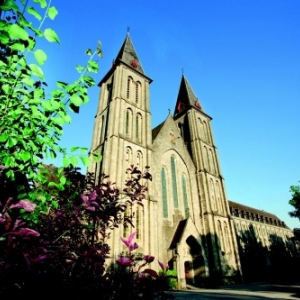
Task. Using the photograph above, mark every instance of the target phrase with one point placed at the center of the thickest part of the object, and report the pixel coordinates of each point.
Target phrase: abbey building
(187, 220)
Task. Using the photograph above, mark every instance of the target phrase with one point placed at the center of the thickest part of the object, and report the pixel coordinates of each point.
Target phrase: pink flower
(124, 261)
(26, 205)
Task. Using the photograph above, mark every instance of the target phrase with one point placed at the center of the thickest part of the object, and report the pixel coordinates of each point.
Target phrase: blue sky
(242, 59)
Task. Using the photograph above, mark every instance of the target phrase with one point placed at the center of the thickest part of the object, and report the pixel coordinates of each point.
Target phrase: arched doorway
(196, 268)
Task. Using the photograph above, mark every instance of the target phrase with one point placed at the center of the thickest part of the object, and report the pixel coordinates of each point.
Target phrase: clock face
(134, 63)
(180, 106)
(197, 104)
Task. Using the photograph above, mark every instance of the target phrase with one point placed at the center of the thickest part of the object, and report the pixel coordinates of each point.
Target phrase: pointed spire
(186, 97)
(127, 55)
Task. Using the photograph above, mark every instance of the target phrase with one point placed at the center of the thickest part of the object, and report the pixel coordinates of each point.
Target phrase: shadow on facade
(205, 266)
(272, 259)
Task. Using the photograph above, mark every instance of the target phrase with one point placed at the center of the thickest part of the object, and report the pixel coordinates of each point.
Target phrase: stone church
(187, 220)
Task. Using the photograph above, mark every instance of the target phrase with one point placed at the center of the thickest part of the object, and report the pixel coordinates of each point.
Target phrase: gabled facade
(186, 220)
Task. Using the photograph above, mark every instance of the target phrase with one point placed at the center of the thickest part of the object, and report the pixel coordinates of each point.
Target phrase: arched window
(206, 159)
(138, 127)
(139, 160)
(201, 129)
(226, 237)
(164, 193)
(212, 192)
(138, 220)
(102, 129)
(174, 182)
(185, 196)
(206, 132)
(218, 196)
(128, 122)
(127, 215)
(128, 156)
(212, 161)
(221, 236)
(129, 83)
(137, 92)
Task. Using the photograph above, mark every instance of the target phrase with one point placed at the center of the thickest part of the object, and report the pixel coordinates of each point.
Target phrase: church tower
(122, 134)
(195, 128)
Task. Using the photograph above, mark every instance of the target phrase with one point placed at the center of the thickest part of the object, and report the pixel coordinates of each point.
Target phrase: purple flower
(129, 243)
(124, 261)
(163, 267)
(23, 231)
(26, 205)
(133, 246)
(2, 167)
(148, 258)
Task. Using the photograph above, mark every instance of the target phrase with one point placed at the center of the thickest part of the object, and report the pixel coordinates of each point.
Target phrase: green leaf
(33, 12)
(52, 12)
(79, 68)
(63, 180)
(36, 70)
(88, 52)
(52, 184)
(66, 161)
(4, 38)
(61, 84)
(3, 137)
(54, 204)
(34, 159)
(74, 149)
(47, 106)
(17, 47)
(51, 35)
(11, 142)
(9, 5)
(65, 117)
(3, 25)
(54, 104)
(58, 121)
(17, 32)
(93, 66)
(31, 43)
(76, 100)
(25, 156)
(85, 160)
(42, 3)
(97, 157)
(6, 89)
(40, 56)
(83, 149)
(8, 161)
(74, 161)
(89, 80)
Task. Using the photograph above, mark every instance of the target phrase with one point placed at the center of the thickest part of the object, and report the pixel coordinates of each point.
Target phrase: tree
(54, 225)
(295, 201)
(31, 117)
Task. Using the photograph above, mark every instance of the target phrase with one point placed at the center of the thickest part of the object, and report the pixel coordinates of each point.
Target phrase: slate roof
(178, 233)
(128, 55)
(156, 130)
(254, 211)
(186, 97)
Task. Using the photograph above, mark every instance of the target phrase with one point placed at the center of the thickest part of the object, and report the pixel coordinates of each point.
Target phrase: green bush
(171, 278)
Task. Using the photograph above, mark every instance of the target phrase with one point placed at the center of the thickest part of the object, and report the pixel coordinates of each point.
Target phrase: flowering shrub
(130, 279)
(67, 250)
